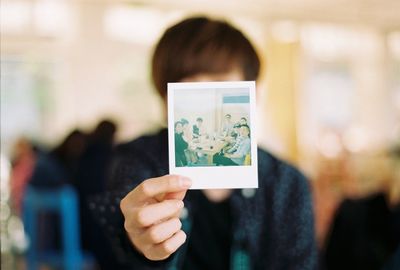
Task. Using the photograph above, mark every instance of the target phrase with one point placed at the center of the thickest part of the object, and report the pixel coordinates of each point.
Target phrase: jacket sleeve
(105, 208)
(299, 236)
(126, 173)
(290, 222)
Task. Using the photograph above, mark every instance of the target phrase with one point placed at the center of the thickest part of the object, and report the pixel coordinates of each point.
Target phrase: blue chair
(64, 201)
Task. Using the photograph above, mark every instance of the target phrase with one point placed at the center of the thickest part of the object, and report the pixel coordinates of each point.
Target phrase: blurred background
(328, 99)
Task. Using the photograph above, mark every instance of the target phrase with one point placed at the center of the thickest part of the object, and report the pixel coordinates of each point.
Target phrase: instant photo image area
(212, 127)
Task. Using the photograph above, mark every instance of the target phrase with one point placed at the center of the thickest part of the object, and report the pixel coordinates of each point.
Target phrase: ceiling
(383, 14)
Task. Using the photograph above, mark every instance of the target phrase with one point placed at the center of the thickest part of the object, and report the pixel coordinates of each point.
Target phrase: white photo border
(220, 177)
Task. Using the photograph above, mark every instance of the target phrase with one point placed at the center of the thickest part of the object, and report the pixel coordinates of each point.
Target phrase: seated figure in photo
(235, 132)
(187, 136)
(237, 155)
(198, 128)
(151, 218)
(180, 146)
(186, 132)
(234, 140)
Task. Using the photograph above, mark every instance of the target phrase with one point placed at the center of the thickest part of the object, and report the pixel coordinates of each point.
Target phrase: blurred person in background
(23, 163)
(270, 228)
(91, 179)
(365, 233)
(95, 159)
(59, 166)
(53, 170)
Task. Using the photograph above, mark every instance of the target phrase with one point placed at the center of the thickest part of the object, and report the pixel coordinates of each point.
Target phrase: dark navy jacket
(273, 225)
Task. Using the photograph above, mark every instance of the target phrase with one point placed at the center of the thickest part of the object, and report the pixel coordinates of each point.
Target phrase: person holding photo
(154, 222)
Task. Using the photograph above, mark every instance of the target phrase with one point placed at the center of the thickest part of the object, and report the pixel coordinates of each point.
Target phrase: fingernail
(185, 182)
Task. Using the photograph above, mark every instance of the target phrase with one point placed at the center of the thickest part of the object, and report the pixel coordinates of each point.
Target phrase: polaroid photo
(212, 133)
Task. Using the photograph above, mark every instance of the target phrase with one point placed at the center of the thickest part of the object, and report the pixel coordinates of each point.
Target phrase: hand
(152, 211)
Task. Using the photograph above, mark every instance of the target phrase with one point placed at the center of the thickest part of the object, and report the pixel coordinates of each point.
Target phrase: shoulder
(281, 180)
(139, 159)
(288, 201)
(143, 144)
(270, 165)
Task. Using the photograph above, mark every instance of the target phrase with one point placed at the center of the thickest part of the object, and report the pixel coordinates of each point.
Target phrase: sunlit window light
(137, 25)
(52, 18)
(394, 44)
(355, 139)
(14, 16)
(329, 145)
(285, 31)
(396, 99)
(330, 42)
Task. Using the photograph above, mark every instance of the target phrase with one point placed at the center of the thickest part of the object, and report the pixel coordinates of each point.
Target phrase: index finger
(152, 187)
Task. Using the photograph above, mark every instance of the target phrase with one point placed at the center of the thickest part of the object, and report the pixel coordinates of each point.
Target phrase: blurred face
(243, 121)
(178, 128)
(227, 118)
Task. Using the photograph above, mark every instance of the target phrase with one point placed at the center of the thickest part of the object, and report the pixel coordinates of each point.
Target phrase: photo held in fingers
(152, 213)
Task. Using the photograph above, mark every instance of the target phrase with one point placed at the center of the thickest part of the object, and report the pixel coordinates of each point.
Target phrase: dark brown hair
(201, 45)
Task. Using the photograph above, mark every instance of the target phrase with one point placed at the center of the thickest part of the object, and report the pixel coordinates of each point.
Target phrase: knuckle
(140, 218)
(149, 255)
(168, 247)
(122, 204)
(126, 225)
(154, 235)
(145, 188)
(172, 180)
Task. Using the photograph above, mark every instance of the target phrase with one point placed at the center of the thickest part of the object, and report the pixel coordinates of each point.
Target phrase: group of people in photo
(228, 147)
